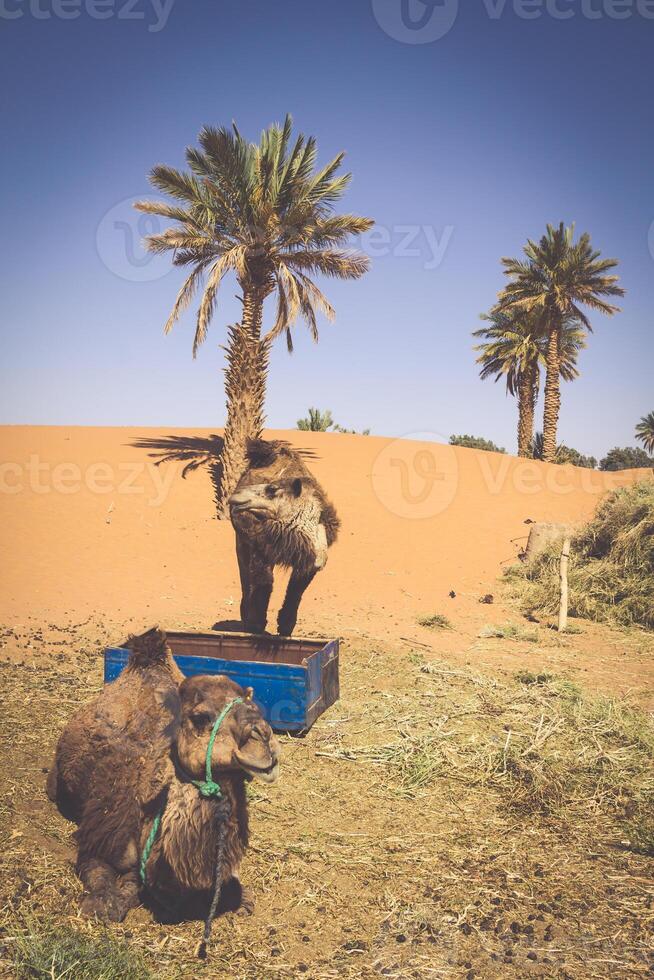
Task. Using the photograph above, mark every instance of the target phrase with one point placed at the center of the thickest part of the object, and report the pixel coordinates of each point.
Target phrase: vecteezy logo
(119, 241)
(416, 21)
(416, 477)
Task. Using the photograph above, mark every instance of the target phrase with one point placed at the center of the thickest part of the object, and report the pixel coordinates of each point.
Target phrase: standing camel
(281, 516)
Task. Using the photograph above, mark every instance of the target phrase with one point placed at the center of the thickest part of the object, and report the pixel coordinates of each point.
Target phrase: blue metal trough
(294, 680)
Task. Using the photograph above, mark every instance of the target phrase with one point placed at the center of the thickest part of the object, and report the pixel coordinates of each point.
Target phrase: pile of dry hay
(611, 571)
(541, 745)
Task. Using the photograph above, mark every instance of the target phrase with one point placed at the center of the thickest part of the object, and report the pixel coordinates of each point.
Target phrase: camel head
(281, 500)
(244, 740)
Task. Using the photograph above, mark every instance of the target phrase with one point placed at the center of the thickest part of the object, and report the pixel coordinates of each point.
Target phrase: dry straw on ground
(437, 822)
(611, 569)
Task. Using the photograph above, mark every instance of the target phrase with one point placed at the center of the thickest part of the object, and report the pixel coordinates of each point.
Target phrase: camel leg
(129, 890)
(297, 585)
(57, 792)
(236, 898)
(261, 583)
(243, 555)
(103, 898)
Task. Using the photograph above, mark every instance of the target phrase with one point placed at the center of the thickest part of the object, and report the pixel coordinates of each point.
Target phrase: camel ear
(249, 691)
(296, 486)
(190, 693)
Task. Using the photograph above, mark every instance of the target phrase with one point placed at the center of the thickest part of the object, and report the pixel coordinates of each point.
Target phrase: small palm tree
(514, 348)
(316, 421)
(645, 432)
(557, 277)
(264, 212)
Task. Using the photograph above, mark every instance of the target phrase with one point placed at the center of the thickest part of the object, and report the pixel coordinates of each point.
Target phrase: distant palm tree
(264, 212)
(557, 276)
(515, 348)
(645, 432)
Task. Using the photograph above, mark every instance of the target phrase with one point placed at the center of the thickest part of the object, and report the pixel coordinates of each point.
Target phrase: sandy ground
(91, 526)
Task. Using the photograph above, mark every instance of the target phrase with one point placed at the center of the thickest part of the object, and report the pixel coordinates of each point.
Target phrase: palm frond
(330, 262)
(176, 183)
(185, 295)
(263, 211)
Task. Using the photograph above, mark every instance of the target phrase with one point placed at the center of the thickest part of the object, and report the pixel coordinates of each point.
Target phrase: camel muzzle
(240, 501)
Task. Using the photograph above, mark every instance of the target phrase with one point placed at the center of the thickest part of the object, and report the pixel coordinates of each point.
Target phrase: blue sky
(461, 147)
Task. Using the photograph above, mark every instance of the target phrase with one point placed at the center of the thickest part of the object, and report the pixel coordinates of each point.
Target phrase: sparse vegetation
(317, 421)
(564, 454)
(585, 752)
(413, 762)
(540, 743)
(509, 631)
(529, 677)
(435, 622)
(48, 951)
(350, 432)
(611, 570)
(640, 836)
(476, 442)
(628, 458)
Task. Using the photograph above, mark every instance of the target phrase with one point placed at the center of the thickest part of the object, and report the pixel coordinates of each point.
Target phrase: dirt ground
(395, 843)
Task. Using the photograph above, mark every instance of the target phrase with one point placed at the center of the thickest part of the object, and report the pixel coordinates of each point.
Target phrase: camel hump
(148, 649)
(262, 453)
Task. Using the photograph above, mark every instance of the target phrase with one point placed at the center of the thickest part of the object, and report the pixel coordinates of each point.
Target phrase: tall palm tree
(556, 277)
(264, 212)
(511, 351)
(514, 348)
(645, 432)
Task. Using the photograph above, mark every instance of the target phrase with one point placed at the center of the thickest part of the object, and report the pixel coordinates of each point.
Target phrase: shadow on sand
(193, 451)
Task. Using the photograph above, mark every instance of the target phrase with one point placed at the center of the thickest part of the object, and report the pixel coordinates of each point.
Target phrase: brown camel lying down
(139, 751)
(281, 516)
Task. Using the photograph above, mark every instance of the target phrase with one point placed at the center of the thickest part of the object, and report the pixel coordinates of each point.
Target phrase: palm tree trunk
(552, 394)
(526, 405)
(245, 386)
(253, 311)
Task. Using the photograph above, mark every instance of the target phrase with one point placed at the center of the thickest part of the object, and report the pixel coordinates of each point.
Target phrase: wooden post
(563, 572)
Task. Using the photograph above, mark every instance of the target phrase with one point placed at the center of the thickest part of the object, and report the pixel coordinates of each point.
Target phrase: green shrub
(564, 454)
(475, 442)
(629, 458)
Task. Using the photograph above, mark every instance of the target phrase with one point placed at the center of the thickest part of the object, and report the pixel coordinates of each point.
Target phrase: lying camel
(155, 808)
(281, 516)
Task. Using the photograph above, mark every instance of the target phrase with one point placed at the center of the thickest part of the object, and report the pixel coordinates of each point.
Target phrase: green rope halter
(148, 846)
(207, 788)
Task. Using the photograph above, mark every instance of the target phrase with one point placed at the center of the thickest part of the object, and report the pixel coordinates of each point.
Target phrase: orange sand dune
(92, 526)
